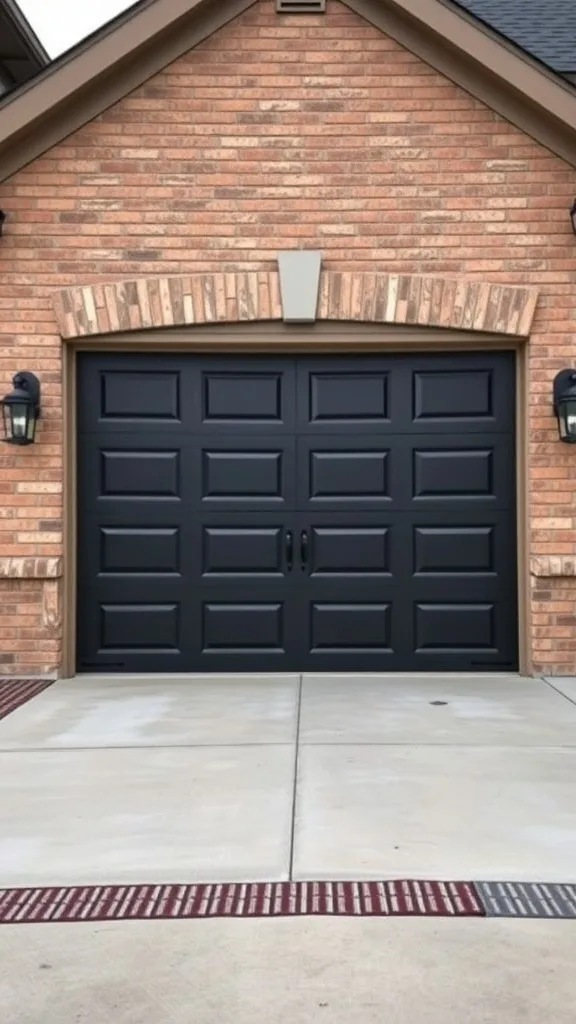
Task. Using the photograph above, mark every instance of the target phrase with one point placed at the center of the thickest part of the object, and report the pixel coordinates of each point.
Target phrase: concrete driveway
(178, 779)
(109, 780)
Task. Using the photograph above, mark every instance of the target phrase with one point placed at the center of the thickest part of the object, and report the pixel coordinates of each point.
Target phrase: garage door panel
(139, 474)
(242, 474)
(350, 627)
(242, 551)
(238, 548)
(139, 550)
(141, 626)
(341, 550)
(121, 630)
(146, 396)
(473, 392)
(134, 470)
(344, 472)
(462, 547)
(461, 550)
(241, 399)
(243, 626)
(239, 473)
(470, 472)
(344, 395)
(455, 627)
(132, 560)
(120, 393)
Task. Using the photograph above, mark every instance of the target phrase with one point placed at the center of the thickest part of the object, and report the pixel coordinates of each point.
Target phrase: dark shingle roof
(544, 28)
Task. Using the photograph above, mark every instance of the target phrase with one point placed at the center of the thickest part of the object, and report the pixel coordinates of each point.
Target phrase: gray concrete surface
(162, 814)
(436, 812)
(281, 972)
(489, 710)
(112, 711)
(565, 685)
(204, 779)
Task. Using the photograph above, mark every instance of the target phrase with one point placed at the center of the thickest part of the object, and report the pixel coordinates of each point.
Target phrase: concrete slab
(106, 711)
(563, 684)
(491, 710)
(200, 814)
(326, 971)
(435, 812)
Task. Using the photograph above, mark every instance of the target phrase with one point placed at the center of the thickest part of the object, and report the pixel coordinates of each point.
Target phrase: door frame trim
(268, 339)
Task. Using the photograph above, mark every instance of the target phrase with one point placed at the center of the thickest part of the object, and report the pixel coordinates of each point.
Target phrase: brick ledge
(553, 565)
(30, 568)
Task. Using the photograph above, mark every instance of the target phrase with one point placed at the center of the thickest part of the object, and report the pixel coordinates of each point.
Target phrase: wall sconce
(21, 409)
(565, 404)
(573, 216)
(2, 219)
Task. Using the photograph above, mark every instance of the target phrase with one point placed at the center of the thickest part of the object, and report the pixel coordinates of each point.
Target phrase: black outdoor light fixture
(2, 219)
(573, 216)
(565, 404)
(21, 409)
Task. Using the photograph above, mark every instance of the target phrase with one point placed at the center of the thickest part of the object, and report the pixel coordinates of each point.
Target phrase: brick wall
(314, 131)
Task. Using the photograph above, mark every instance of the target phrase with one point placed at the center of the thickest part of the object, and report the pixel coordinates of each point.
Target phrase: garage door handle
(289, 550)
(304, 550)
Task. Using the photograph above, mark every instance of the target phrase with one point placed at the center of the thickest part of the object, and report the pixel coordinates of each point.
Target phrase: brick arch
(409, 299)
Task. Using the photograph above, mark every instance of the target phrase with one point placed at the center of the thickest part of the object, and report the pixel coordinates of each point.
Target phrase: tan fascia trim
(102, 71)
(510, 82)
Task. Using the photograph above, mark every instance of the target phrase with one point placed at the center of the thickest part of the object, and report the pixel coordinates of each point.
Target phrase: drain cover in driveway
(527, 899)
(258, 899)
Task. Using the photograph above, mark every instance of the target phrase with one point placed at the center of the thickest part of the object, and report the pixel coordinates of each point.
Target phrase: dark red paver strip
(16, 692)
(261, 899)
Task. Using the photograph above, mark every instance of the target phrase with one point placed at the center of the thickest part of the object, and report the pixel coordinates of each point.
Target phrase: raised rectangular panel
(242, 550)
(139, 627)
(348, 474)
(237, 474)
(453, 394)
(454, 627)
(349, 550)
(139, 395)
(242, 397)
(338, 397)
(242, 626)
(454, 549)
(140, 474)
(456, 473)
(139, 550)
(350, 627)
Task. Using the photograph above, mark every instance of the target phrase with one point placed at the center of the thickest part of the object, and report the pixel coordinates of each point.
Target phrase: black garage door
(319, 514)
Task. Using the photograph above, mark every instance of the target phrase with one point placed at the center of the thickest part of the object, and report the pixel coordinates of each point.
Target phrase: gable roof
(544, 28)
(153, 33)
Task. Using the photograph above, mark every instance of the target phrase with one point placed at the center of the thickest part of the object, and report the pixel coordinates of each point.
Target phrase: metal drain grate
(527, 899)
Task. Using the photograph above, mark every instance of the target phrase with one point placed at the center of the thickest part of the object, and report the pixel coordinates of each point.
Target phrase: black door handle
(289, 550)
(304, 550)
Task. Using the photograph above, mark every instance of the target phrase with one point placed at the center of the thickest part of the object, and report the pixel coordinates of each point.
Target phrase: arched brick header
(255, 295)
